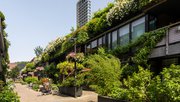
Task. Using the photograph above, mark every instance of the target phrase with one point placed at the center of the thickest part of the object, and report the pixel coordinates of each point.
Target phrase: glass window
(138, 28)
(109, 41)
(94, 44)
(124, 35)
(114, 39)
(152, 22)
(100, 41)
(104, 40)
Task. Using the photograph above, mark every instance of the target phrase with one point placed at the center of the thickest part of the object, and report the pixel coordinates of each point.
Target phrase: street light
(75, 68)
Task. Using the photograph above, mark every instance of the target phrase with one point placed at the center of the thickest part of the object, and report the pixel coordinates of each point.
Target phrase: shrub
(54, 87)
(167, 89)
(67, 68)
(7, 95)
(1, 85)
(30, 67)
(105, 73)
(52, 72)
(70, 81)
(134, 88)
(35, 87)
(33, 80)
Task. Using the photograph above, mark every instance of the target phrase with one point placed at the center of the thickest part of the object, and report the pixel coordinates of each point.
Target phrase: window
(109, 41)
(152, 22)
(100, 42)
(138, 28)
(124, 35)
(114, 39)
(94, 44)
(104, 40)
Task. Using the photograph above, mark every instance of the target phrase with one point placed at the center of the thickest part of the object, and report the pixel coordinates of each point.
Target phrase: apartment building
(83, 12)
(163, 13)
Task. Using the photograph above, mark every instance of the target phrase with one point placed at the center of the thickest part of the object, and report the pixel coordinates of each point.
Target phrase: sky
(32, 23)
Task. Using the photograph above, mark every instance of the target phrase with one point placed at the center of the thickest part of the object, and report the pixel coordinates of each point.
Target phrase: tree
(14, 73)
(72, 29)
(38, 50)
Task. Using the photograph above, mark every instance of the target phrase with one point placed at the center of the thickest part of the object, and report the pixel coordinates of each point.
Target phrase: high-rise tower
(83, 12)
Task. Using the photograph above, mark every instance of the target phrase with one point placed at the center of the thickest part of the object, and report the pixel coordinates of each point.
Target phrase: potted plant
(72, 87)
(71, 72)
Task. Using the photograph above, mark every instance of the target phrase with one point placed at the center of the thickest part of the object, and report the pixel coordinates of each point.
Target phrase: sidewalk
(29, 95)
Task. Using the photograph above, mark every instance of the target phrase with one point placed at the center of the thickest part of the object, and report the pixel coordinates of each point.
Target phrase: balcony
(170, 44)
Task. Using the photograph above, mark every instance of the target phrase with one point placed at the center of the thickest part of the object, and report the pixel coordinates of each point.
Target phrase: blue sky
(32, 23)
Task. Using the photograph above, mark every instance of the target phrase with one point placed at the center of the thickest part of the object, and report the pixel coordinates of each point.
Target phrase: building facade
(151, 18)
(83, 12)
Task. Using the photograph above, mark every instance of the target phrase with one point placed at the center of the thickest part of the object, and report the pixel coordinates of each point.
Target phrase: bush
(167, 89)
(67, 70)
(70, 81)
(33, 80)
(30, 67)
(134, 88)
(54, 87)
(35, 87)
(7, 95)
(105, 73)
(140, 87)
(1, 85)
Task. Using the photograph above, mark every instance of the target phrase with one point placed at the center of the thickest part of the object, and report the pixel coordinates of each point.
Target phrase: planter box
(108, 99)
(71, 91)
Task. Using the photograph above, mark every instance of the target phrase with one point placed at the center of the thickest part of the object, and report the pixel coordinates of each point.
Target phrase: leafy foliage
(166, 89)
(33, 80)
(2, 16)
(146, 43)
(99, 13)
(52, 72)
(5, 56)
(105, 73)
(7, 95)
(82, 36)
(67, 68)
(38, 50)
(134, 88)
(123, 8)
(14, 73)
(67, 71)
(30, 67)
(1, 85)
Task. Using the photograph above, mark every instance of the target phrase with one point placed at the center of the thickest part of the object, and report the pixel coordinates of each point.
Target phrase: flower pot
(108, 99)
(71, 91)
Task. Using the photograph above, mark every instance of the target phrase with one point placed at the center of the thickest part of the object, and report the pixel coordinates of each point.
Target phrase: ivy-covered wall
(102, 21)
(4, 48)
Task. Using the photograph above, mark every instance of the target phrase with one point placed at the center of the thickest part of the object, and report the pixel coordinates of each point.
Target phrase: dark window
(124, 35)
(114, 39)
(138, 28)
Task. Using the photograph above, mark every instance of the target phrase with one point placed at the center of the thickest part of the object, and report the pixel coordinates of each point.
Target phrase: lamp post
(75, 68)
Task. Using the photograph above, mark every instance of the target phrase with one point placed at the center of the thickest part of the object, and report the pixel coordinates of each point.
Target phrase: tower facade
(83, 12)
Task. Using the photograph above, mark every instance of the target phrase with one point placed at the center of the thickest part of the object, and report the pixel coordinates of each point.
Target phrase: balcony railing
(170, 44)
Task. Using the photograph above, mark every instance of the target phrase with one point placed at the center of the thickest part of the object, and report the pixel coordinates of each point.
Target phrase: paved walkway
(29, 95)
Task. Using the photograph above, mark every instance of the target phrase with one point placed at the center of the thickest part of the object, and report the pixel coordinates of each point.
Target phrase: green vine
(145, 44)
